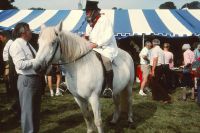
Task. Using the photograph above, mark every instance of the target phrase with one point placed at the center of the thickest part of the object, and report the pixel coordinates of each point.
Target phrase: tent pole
(143, 40)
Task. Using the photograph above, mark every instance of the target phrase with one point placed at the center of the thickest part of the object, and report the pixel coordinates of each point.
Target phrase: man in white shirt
(28, 82)
(6, 49)
(5, 39)
(159, 91)
(6, 59)
(99, 32)
(145, 67)
(10, 76)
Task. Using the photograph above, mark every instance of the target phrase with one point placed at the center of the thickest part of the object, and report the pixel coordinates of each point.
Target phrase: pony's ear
(59, 27)
(43, 26)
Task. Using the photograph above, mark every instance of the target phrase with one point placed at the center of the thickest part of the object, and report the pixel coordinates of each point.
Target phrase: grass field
(62, 115)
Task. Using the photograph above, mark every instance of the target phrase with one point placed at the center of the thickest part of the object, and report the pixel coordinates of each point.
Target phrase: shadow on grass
(68, 122)
(141, 112)
(8, 119)
(4, 98)
(10, 122)
(58, 109)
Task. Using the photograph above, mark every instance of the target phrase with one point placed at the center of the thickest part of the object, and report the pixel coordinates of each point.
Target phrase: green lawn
(62, 115)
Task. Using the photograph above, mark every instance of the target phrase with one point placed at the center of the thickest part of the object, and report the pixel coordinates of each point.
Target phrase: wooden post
(143, 40)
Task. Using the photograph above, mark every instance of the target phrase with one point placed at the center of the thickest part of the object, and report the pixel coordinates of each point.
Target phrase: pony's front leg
(87, 115)
(94, 101)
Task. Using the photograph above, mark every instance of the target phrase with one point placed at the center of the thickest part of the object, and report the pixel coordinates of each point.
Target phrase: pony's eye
(54, 41)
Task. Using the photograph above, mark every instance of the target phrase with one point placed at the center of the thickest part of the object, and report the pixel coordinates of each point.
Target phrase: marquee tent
(126, 22)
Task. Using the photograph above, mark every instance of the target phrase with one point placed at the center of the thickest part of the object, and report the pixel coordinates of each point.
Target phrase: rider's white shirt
(102, 35)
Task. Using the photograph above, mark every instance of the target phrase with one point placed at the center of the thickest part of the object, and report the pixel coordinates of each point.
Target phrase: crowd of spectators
(159, 73)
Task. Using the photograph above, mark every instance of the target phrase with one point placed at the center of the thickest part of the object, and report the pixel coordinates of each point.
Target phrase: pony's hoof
(130, 120)
(107, 93)
(112, 122)
(90, 131)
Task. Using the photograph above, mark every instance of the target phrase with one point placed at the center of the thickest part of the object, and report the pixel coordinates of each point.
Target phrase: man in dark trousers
(5, 39)
(157, 73)
(10, 75)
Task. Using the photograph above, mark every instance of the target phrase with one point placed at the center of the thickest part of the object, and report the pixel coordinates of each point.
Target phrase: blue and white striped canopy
(125, 22)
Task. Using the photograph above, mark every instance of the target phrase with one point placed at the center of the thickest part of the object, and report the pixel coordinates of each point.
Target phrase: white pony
(84, 72)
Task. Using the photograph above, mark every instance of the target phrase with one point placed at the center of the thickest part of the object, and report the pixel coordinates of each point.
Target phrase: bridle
(65, 63)
(58, 44)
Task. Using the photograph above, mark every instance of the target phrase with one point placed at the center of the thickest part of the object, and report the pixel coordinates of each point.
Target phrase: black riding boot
(109, 84)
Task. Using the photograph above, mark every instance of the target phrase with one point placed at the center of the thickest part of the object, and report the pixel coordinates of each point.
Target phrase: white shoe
(51, 93)
(142, 93)
(58, 93)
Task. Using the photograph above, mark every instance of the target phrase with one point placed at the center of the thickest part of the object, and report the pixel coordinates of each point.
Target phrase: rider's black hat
(92, 5)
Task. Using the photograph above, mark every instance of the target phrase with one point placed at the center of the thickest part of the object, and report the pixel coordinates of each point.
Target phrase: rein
(57, 44)
(74, 60)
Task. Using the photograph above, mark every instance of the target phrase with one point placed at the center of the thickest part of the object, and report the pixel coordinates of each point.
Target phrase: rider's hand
(92, 45)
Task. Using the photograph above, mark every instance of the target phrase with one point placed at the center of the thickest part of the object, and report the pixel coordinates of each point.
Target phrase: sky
(103, 4)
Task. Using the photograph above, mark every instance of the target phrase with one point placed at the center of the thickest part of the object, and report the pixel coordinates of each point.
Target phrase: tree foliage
(114, 8)
(167, 5)
(38, 8)
(192, 5)
(6, 4)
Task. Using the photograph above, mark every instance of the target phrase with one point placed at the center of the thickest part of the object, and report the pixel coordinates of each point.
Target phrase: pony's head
(49, 48)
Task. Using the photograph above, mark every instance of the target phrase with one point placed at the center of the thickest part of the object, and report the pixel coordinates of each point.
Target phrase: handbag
(187, 68)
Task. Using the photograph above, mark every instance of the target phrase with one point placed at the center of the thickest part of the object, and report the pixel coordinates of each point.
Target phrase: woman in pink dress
(169, 64)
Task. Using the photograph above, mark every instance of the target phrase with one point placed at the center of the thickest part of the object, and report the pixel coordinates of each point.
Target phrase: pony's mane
(73, 46)
(47, 34)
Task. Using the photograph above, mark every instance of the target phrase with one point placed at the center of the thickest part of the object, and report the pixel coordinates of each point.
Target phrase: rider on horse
(99, 32)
